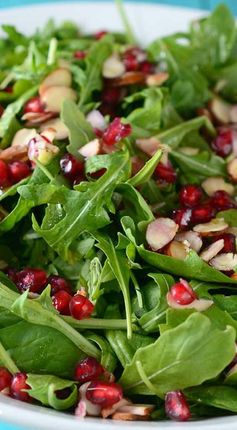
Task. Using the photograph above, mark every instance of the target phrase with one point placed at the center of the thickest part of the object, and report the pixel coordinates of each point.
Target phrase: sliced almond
(129, 78)
(157, 79)
(198, 304)
(96, 119)
(37, 118)
(212, 250)
(214, 226)
(232, 230)
(60, 128)
(233, 114)
(61, 77)
(221, 110)
(49, 134)
(149, 146)
(193, 239)
(23, 136)
(113, 67)
(188, 150)
(160, 232)
(232, 169)
(224, 262)
(53, 97)
(106, 412)
(14, 153)
(126, 416)
(90, 149)
(137, 409)
(216, 183)
(177, 250)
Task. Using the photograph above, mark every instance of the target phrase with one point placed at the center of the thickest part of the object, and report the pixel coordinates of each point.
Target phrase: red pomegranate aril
(80, 307)
(61, 301)
(221, 200)
(105, 394)
(99, 34)
(182, 293)
(71, 167)
(229, 242)
(166, 172)
(5, 378)
(112, 95)
(130, 61)
(176, 406)
(57, 284)
(34, 280)
(182, 217)
(147, 67)
(5, 175)
(18, 386)
(223, 143)
(202, 214)
(79, 55)
(88, 370)
(19, 170)
(190, 195)
(116, 131)
(34, 105)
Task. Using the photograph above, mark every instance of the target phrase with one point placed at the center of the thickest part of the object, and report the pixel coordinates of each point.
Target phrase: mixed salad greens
(118, 173)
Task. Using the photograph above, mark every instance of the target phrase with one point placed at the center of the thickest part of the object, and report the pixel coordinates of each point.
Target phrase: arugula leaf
(204, 164)
(147, 170)
(177, 355)
(80, 131)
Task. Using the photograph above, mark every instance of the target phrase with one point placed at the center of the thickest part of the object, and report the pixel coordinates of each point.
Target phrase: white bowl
(149, 21)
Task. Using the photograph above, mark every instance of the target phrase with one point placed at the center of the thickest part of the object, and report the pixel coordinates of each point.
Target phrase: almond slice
(96, 120)
(23, 136)
(90, 149)
(214, 226)
(192, 237)
(198, 304)
(224, 262)
(113, 67)
(157, 79)
(61, 77)
(212, 250)
(53, 97)
(160, 232)
(14, 153)
(216, 183)
(189, 150)
(129, 78)
(232, 169)
(221, 110)
(37, 118)
(177, 250)
(149, 146)
(137, 409)
(106, 412)
(233, 114)
(126, 416)
(60, 128)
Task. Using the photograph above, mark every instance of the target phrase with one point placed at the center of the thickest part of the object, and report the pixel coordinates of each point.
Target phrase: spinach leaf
(108, 358)
(219, 396)
(6, 360)
(177, 355)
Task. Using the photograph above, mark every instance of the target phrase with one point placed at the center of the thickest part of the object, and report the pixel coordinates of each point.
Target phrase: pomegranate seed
(130, 61)
(147, 67)
(99, 34)
(30, 279)
(71, 167)
(182, 293)
(88, 370)
(222, 144)
(18, 386)
(104, 394)
(112, 95)
(202, 214)
(19, 170)
(190, 195)
(116, 131)
(182, 217)
(57, 284)
(61, 301)
(80, 307)
(34, 105)
(176, 406)
(221, 201)
(5, 378)
(8, 89)
(11, 273)
(166, 172)
(229, 242)
(79, 55)
(5, 175)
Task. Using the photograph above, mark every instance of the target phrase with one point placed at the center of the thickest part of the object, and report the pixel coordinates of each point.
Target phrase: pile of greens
(94, 233)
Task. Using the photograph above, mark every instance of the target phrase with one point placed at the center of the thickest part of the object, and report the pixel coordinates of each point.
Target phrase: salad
(118, 221)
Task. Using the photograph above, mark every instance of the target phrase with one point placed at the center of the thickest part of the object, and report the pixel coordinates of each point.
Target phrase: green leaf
(44, 388)
(230, 216)
(83, 209)
(219, 396)
(108, 358)
(204, 164)
(147, 170)
(80, 130)
(6, 361)
(173, 361)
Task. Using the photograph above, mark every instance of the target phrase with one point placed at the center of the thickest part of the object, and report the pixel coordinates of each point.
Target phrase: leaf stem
(53, 44)
(97, 323)
(43, 168)
(130, 35)
(144, 377)
(6, 360)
